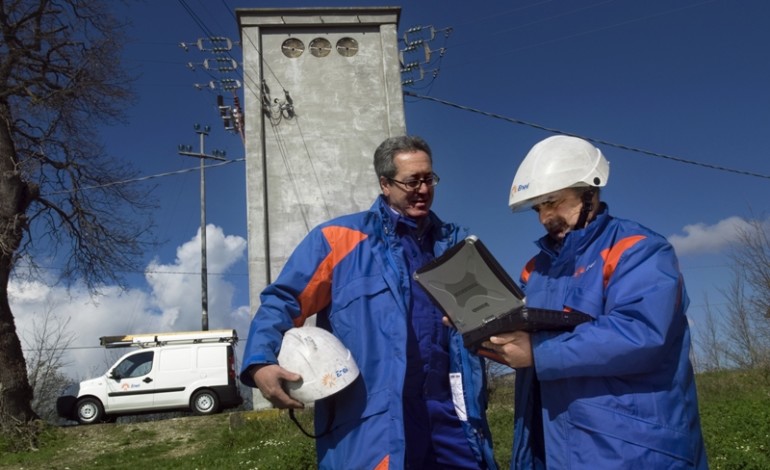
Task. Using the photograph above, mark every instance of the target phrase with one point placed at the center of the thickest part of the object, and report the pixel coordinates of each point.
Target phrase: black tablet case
(481, 299)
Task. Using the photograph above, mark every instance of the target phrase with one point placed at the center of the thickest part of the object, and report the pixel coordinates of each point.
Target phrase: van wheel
(90, 411)
(204, 402)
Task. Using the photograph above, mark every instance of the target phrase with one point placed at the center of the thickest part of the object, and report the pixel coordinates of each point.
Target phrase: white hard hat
(554, 164)
(325, 364)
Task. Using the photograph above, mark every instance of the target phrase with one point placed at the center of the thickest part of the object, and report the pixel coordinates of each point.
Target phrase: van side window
(136, 365)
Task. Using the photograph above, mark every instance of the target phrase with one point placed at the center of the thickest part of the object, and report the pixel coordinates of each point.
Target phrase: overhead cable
(591, 139)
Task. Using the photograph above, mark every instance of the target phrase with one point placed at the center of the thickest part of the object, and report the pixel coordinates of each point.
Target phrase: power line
(591, 139)
(198, 21)
(145, 271)
(65, 348)
(145, 178)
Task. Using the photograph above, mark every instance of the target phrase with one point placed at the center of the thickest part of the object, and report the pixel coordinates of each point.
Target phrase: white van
(171, 371)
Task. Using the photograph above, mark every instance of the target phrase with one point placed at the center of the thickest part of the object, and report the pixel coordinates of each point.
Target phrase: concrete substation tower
(322, 89)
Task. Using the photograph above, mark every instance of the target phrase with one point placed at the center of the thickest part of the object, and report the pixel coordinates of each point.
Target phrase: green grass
(735, 413)
(267, 440)
(735, 416)
(500, 417)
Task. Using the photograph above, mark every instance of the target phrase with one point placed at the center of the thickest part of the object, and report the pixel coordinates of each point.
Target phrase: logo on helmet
(328, 380)
(518, 188)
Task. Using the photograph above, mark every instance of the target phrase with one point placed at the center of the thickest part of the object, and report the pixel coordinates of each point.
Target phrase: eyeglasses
(414, 185)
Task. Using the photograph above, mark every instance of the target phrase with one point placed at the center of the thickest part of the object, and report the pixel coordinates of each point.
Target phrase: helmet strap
(587, 198)
(313, 436)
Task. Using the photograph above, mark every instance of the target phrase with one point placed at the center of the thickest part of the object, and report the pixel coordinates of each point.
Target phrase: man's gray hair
(392, 146)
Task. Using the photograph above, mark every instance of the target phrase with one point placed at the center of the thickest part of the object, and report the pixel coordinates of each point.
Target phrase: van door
(131, 384)
(176, 372)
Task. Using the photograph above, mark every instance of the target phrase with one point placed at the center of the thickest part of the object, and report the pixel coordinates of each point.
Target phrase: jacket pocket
(345, 411)
(584, 298)
(357, 304)
(361, 315)
(616, 430)
(356, 406)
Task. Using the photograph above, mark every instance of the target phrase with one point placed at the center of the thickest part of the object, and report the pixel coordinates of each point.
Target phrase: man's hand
(514, 347)
(269, 379)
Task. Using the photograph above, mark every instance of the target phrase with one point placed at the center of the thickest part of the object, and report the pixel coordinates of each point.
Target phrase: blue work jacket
(619, 391)
(352, 272)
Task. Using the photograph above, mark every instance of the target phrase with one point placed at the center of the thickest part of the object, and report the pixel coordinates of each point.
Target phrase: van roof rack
(147, 340)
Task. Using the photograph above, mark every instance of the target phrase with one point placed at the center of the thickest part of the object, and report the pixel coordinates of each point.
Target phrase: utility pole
(232, 116)
(186, 150)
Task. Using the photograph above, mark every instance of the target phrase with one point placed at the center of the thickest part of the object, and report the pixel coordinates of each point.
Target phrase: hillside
(735, 411)
(80, 446)
(240, 439)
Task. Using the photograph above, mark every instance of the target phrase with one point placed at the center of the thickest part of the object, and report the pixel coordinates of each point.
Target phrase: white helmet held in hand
(554, 164)
(325, 364)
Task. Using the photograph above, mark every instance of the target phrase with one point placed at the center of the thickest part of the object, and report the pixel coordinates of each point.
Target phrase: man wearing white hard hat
(419, 401)
(618, 391)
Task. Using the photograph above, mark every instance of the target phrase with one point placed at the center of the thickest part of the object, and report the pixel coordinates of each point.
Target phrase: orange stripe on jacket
(528, 268)
(612, 255)
(317, 294)
(384, 463)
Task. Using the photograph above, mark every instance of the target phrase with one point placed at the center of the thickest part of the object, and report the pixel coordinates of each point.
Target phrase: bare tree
(712, 349)
(740, 336)
(752, 258)
(46, 344)
(60, 81)
(744, 347)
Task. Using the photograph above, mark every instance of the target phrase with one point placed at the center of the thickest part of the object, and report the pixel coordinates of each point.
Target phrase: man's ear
(384, 186)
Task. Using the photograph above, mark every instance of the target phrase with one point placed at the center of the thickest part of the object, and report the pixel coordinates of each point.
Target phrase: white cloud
(702, 238)
(169, 302)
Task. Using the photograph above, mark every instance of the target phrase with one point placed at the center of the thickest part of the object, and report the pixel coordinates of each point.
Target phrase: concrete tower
(322, 89)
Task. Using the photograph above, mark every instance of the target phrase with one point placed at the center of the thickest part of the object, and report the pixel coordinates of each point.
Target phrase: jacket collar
(390, 219)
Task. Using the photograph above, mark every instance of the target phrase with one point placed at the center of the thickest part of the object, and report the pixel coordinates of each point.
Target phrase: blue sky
(684, 79)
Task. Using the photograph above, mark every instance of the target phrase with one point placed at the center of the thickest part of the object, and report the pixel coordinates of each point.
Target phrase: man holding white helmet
(419, 400)
(618, 391)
